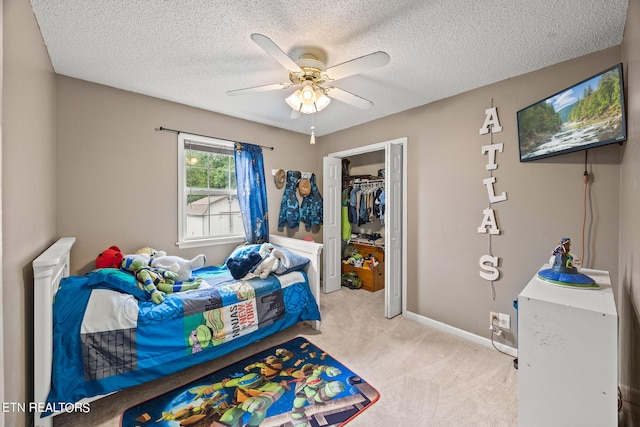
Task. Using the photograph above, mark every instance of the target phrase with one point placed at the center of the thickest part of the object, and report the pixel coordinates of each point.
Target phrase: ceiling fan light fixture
(308, 93)
(308, 108)
(322, 100)
(294, 100)
(309, 99)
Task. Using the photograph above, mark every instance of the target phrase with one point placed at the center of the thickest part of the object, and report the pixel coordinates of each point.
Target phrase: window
(208, 210)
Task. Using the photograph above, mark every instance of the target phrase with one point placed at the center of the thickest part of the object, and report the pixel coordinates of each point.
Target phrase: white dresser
(568, 354)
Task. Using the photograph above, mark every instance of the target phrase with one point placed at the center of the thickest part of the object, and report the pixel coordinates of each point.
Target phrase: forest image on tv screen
(586, 115)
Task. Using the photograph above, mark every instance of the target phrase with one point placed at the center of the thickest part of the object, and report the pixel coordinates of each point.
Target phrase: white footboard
(48, 269)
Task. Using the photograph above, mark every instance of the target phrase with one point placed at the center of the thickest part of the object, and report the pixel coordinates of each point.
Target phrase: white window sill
(210, 242)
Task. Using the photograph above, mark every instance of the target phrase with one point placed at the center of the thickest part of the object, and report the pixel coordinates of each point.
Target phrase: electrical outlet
(504, 320)
(493, 315)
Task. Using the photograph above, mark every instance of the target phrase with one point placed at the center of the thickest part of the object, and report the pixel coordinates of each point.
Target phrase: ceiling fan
(313, 79)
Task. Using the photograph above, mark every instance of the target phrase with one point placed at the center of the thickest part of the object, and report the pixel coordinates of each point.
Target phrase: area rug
(292, 384)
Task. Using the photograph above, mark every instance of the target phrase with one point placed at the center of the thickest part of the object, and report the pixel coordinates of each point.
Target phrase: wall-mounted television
(586, 115)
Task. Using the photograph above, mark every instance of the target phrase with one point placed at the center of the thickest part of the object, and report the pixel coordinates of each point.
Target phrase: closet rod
(207, 136)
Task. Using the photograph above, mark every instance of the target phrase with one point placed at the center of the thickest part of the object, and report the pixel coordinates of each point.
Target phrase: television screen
(586, 115)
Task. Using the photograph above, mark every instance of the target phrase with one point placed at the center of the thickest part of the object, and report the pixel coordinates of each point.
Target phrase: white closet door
(393, 219)
(331, 228)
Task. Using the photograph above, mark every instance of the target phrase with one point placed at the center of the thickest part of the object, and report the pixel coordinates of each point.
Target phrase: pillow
(242, 251)
(242, 265)
(292, 262)
(117, 280)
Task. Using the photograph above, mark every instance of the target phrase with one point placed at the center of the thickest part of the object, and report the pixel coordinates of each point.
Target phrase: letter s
(491, 271)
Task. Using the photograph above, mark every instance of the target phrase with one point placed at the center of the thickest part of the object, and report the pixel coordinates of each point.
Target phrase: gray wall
(28, 189)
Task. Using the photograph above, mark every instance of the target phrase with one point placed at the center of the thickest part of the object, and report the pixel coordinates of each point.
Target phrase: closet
(362, 219)
(369, 160)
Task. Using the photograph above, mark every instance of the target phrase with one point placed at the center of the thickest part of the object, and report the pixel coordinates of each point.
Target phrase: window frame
(183, 192)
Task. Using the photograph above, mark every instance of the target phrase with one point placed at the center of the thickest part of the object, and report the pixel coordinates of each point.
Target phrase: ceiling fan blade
(256, 89)
(276, 53)
(358, 65)
(348, 98)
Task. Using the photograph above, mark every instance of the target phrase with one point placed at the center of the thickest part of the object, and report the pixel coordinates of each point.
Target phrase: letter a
(491, 118)
(489, 220)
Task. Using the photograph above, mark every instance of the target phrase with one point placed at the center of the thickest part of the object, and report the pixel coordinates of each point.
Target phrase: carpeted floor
(425, 377)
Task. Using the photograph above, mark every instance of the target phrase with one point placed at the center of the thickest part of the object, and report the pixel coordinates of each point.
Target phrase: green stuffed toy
(156, 281)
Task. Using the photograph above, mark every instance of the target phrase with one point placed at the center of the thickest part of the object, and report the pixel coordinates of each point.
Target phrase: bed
(139, 350)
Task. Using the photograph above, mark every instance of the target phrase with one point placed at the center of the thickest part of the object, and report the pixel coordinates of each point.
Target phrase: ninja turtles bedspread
(107, 340)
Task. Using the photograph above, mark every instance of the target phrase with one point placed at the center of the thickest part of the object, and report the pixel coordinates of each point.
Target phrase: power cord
(585, 179)
(494, 324)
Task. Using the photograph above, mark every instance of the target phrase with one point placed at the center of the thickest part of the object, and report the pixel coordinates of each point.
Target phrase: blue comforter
(105, 339)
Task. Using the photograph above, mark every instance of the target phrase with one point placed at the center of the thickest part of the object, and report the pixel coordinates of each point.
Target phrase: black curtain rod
(207, 136)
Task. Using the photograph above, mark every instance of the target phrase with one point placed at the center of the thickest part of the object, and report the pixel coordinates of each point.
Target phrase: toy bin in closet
(372, 275)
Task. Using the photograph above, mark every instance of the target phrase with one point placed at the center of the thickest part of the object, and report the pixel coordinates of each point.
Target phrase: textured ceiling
(194, 51)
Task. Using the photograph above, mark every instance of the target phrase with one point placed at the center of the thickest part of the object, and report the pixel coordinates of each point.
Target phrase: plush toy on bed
(147, 278)
(269, 264)
(109, 258)
(150, 252)
(156, 281)
(184, 267)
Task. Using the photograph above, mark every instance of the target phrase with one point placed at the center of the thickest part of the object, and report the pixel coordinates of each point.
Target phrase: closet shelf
(379, 243)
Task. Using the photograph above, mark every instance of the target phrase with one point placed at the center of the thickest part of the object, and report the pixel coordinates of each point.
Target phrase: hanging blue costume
(311, 207)
(290, 206)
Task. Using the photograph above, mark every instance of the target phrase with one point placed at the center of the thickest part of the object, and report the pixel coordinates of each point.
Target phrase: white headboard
(48, 269)
(311, 250)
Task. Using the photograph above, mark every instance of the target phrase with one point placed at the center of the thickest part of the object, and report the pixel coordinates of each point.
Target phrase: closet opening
(362, 221)
(364, 217)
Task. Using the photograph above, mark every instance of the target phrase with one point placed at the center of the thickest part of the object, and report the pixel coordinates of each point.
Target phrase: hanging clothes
(377, 204)
(345, 222)
(382, 199)
(290, 206)
(353, 205)
(345, 229)
(311, 206)
(363, 202)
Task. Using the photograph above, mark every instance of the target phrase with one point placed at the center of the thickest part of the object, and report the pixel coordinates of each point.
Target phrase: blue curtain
(252, 192)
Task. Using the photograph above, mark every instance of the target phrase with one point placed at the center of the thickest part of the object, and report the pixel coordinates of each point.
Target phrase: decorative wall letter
(491, 149)
(491, 118)
(488, 182)
(491, 271)
(489, 220)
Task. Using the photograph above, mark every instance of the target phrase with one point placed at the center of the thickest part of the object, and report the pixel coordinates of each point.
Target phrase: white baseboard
(460, 333)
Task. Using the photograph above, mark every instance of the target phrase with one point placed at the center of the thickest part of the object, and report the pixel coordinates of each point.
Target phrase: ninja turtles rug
(293, 384)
